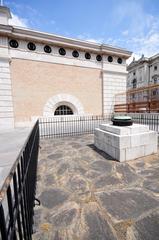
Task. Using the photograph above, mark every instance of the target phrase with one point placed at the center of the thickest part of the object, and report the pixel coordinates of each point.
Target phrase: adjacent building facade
(143, 84)
(45, 75)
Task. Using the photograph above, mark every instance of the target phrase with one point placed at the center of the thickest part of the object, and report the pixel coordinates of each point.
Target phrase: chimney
(4, 15)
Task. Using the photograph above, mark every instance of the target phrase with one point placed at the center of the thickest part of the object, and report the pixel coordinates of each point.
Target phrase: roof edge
(57, 39)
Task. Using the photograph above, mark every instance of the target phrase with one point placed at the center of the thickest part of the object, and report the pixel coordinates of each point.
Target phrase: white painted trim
(61, 99)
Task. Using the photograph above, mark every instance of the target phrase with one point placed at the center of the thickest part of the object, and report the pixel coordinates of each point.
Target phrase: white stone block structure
(126, 143)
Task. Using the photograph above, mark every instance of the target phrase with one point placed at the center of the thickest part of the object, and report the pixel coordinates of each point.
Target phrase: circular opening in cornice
(13, 43)
(47, 49)
(62, 51)
(120, 60)
(31, 46)
(75, 54)
(110, 59)
(99, 58)
(87, 55)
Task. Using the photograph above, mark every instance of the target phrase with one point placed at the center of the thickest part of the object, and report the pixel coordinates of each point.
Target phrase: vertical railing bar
(21, 203)
(3, 229)
(17, 205)
(12, 232)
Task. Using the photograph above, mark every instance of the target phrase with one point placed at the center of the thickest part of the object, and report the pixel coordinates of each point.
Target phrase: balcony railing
(17, 195)
(70, 125)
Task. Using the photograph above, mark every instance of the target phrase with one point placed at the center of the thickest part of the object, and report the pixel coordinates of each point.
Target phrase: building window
(31, 46)
(99, 58)
(87, 55)
(120, 60)
(134, 83)
(75, 54)
(155, 68)
(63, 110)
(62, 51)
(110, 59)
(13, 43)
(155, 80)
(154, 92)
(47, 49)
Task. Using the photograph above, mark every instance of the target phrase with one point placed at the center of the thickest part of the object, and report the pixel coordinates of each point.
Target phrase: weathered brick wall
(34, 82)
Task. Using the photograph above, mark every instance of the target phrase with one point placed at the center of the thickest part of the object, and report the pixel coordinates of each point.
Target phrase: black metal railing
(151, 119)
(17, 195)
(70, 125)
(75, 125)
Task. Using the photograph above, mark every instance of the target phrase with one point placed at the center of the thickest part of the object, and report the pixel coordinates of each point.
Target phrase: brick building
(43, 74)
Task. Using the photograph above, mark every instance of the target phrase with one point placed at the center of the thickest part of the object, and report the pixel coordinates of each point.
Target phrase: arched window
(63, 110)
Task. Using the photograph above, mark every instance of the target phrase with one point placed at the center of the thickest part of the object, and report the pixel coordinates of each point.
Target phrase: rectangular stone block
(6, 103)
(145, 138)
(6, 114)
(124, 142)
(99, 144)
(5, 86)
(115, 129)
(153, 137)
(7, 98)
(120, 154)
(150, 149)
(134, 152)
(98, 132)
(6, 109)
(135, 140)
(115, 140)
(138, 128)
(110, 150)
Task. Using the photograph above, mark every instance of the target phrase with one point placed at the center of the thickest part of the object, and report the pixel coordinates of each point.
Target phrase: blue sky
(132, 24)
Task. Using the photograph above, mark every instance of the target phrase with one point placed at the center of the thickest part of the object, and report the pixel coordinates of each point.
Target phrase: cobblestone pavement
(86, 195)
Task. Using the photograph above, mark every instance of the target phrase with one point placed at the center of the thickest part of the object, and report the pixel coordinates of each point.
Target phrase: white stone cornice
(29, 34)
(124, 73)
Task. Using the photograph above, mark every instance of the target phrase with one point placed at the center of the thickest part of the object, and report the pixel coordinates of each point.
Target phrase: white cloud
(148, 44)
(94, 40)
(142, 37)
(125, 33)
(88, 38)
(17, 21)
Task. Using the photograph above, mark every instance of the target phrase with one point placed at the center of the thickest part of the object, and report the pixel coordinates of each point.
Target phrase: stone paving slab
(127, 203)
(146, 228)
(86, 195)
